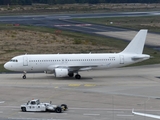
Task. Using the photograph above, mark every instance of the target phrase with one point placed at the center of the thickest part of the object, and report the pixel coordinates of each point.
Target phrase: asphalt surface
(99, 95)
(66, 22)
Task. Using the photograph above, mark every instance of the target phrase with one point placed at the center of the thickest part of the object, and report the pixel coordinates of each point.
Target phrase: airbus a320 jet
(63, 65)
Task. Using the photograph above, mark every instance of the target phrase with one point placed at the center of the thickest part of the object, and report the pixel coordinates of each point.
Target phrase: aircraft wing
(146, 115)
(75, 67)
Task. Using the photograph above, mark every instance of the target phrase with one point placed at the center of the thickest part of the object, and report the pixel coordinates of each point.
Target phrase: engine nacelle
(61, 72)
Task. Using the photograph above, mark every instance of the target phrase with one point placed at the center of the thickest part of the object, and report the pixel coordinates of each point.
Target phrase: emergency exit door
(121, 59)
(25, 61)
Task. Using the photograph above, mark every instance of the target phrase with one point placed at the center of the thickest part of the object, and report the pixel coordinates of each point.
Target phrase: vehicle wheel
(64, 106)
(24, 77)
(78, 76)
(58, 110)
(23, 109)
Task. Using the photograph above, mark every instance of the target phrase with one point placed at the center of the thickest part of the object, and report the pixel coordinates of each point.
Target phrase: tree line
(50, 2)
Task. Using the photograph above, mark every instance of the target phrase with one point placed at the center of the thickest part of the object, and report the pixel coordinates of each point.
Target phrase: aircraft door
(121, 59)
(25, 61)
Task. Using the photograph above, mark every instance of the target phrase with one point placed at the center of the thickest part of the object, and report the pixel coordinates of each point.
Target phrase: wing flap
(73, 67)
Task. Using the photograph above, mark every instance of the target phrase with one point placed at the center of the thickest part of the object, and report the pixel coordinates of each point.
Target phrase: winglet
(137, 44)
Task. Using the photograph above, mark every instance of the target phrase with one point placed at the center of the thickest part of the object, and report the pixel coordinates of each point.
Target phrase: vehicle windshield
(38, 102)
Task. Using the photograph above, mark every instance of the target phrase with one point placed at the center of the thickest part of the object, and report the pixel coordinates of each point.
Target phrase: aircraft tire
(24, 77)
(70, 74)
(78, 76)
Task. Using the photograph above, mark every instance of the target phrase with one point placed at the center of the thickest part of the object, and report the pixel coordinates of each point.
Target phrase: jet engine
(61, 72)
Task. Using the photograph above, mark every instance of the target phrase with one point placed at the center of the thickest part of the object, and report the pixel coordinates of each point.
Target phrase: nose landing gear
(24, 75)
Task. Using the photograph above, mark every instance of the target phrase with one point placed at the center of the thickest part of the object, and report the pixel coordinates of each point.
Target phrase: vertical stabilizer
(137, 44)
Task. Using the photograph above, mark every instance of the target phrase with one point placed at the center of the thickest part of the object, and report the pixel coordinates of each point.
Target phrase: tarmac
(100, 95)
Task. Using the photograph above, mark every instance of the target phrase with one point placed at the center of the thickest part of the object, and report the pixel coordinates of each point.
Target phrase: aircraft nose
(6, 66)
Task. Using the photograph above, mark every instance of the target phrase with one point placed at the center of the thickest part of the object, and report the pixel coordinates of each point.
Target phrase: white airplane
(146, 115)
(63, 65)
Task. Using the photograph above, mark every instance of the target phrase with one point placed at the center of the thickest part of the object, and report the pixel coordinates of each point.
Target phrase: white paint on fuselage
(47, 62)
(67, 64)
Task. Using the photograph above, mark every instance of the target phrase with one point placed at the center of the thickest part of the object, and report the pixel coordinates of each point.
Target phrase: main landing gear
(71, 74)
(24, 75)
(77, 76)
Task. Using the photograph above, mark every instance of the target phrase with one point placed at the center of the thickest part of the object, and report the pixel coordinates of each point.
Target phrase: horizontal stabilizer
(140, 57)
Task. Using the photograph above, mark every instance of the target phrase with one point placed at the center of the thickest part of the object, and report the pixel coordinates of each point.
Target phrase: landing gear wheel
(70, 74)
(24, 77)
(77, 76)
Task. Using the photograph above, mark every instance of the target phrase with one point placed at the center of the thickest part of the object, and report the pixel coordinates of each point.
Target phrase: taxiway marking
(35, 119)
(74, 85)
(2, 101)
(89, 85)
(85, 85)
(124, 115)
(91, 114)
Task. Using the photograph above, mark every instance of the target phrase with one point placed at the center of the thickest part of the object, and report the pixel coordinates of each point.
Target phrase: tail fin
(137, 44)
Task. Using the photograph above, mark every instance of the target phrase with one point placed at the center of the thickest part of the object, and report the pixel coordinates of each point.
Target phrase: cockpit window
(13, 60)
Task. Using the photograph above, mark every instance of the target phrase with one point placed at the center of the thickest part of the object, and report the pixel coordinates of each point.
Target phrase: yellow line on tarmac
(74, 85)
(89, 85)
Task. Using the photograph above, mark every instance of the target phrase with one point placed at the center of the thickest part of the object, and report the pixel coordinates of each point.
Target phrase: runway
(99, 95)
(66, 22)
